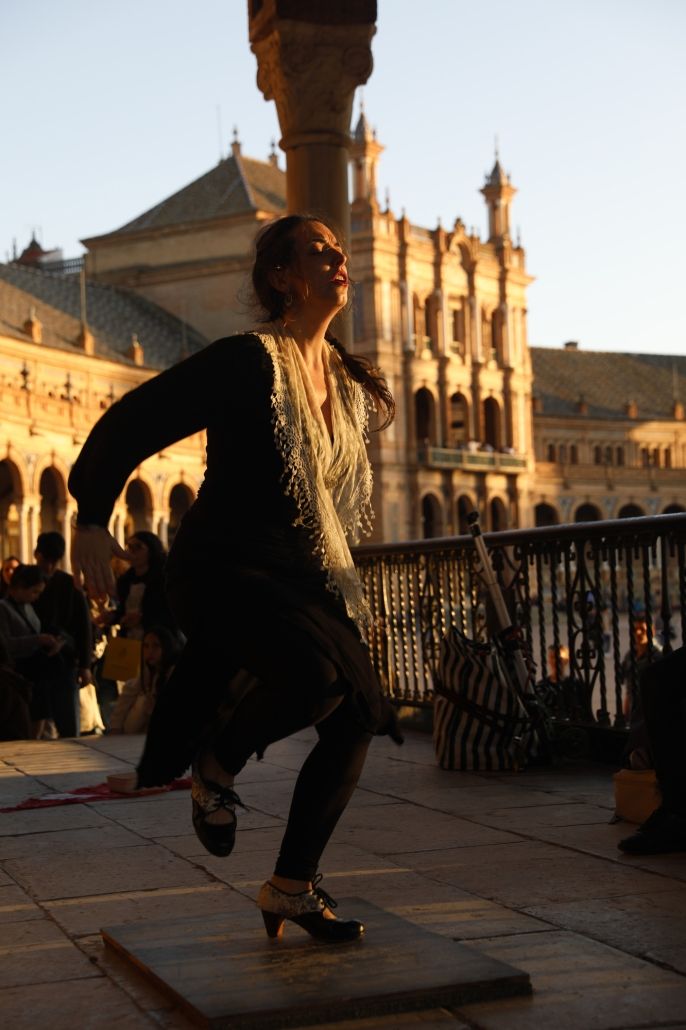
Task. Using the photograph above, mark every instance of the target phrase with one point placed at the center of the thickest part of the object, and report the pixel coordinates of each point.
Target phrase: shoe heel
(273, 923)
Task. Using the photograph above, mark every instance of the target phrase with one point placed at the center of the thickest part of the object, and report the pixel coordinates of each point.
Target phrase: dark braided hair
(274, 248)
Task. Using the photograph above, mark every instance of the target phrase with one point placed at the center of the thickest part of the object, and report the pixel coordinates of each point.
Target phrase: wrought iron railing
(605, 596)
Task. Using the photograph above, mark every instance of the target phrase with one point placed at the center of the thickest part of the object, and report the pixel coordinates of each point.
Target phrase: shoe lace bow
(323, 895)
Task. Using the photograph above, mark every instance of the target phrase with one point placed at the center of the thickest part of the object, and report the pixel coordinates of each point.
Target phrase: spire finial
(235, 142)
(497, 148)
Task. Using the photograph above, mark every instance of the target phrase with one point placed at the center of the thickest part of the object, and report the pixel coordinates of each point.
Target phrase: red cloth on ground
(100, 792)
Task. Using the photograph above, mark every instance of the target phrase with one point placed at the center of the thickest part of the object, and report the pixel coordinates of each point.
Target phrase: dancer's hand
(91, 557)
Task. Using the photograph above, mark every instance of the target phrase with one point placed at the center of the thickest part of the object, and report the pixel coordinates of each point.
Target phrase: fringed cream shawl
(329, 480)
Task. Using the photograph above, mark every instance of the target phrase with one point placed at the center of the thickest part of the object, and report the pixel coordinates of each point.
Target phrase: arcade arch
(432, 517)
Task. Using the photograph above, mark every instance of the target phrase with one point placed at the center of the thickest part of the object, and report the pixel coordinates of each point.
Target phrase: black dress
(242, 579)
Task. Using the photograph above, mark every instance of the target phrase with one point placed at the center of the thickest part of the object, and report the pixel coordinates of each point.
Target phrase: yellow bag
(122, 659)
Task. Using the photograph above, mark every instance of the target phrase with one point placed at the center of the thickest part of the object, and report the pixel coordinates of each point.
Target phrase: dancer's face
(318, 272)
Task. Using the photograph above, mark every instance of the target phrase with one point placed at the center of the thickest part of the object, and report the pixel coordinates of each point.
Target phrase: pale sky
(109, 106)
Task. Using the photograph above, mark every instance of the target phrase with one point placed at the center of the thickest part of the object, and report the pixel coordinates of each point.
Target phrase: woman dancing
(260, 576)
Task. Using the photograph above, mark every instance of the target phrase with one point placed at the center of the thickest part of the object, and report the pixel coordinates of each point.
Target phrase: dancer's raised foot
(214, 805)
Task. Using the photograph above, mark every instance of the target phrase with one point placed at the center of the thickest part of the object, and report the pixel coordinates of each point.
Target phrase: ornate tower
(364, 156)
(498, 191)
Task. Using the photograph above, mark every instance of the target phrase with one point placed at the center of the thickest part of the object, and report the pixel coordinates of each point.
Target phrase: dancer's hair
(275, 248)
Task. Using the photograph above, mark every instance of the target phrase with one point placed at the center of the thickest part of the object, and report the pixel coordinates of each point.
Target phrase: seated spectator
(663, 701)
(131, 714)
(560, 692)
(34, 654)
(7, 568)
(15, 700)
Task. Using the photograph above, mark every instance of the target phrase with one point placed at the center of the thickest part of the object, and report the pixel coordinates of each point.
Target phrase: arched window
(619, 456)
(597, 455)
(668, 458)
(587, 513)
(630, 511)
(10, 497)
(609, 456)
(492, 432)
(573, 454)
(645, 457)
(465, 505)
(550, 452)
(498, 513)
(459, 420)
(545, 515)
(52, 499)
(562, 454)
(138, 507)
(180, 500)
(673, 509)
(432, 517)
(425, 416)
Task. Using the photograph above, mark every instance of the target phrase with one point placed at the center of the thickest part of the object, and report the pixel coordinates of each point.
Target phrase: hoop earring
(288, 300)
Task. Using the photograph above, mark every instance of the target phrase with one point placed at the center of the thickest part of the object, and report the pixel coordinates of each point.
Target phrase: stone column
(310, 58)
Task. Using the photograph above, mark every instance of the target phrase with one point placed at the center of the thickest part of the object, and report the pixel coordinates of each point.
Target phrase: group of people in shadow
(53, 644)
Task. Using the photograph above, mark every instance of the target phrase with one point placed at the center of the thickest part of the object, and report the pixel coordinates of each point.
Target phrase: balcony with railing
(473, 461)
(611, 595)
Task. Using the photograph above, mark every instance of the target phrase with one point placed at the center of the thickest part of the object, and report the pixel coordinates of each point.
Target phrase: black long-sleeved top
(225, 389)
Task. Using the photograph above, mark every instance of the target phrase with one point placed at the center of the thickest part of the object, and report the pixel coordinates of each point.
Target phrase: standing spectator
(644, 653)
(62, 609)
(34, 654)
(7, 568)
(140, 590)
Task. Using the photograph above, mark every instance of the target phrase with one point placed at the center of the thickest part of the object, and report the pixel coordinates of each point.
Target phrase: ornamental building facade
(528, 436)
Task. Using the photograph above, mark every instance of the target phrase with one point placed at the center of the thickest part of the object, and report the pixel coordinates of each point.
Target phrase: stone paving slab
(227, 972)
(63, 842)
(36, 951)
(16, 906)
(101, 872)
(87, 915)
(387, 830)
(80, 1005)
(521, 820)
(45, 820)
(469, 802)
(247, 867)
(434, 1019)
(602, 841)
(579, 985)
(531, 873)
(648, 925)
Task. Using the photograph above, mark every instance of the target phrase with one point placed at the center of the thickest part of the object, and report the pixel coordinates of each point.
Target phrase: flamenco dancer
(260, 576)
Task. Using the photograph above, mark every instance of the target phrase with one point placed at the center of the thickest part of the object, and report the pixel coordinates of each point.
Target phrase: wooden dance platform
(224, 971)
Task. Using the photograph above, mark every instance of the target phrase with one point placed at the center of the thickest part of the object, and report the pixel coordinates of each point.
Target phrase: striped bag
(478, 721)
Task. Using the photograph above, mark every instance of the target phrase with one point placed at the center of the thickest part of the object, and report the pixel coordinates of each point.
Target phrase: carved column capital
(311, 71)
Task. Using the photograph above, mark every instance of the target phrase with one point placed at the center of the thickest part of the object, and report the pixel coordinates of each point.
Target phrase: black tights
(294, 685)
(326, 780)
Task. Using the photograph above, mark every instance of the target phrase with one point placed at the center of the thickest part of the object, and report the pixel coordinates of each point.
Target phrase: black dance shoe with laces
(307, 909)
(209, 797)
